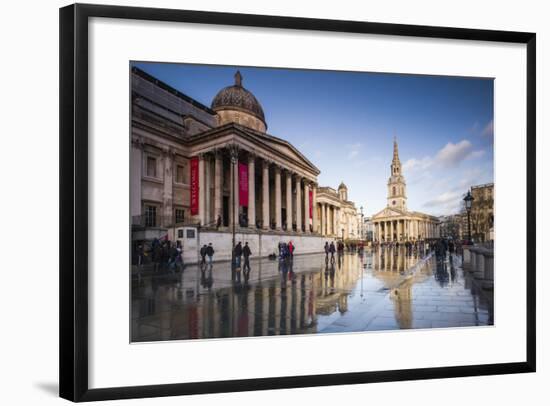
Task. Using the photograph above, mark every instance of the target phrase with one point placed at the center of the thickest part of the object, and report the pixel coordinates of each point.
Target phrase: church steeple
(397, 196)
(395, 163)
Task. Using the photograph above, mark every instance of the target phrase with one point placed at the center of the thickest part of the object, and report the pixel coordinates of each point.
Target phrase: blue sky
(344, 122)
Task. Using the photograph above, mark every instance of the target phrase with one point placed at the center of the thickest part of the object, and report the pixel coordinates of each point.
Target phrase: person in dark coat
(238, 254)
(203, 254)
(332, 250)
(327, 249)
(210, 253)
(246, 254)
(157, 256)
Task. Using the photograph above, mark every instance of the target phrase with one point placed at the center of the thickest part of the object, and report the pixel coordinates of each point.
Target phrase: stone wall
(260, 244)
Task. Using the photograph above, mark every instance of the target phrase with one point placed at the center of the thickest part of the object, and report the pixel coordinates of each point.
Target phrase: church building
(395, 222)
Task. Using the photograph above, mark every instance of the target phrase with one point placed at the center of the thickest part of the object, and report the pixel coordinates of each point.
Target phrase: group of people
(242, 251)
(286, 250)
(165, 254)
(207, 251)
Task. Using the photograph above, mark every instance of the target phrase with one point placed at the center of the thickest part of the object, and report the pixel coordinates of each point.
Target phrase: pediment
(388, 212)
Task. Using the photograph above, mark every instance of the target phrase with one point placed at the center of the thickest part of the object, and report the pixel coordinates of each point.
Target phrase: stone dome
(238, 99)
(342, 186)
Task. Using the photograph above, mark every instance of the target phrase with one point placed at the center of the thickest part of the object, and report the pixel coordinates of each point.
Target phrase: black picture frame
(73, 277)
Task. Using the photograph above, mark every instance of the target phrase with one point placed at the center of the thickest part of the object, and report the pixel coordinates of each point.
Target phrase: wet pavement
(385, 289)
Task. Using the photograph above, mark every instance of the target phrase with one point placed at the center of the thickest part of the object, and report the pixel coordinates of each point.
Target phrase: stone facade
(395, 222)
(170, 132)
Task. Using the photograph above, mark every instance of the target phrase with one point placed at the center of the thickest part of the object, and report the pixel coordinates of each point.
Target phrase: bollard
(466, 258)
(473, 259)
(479, 272)
(489, 271)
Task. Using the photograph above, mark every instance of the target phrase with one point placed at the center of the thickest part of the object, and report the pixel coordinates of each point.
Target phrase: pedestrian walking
(139, 252)
(291, 249)
(246, 253)
(332, 250)
(327, 249)
(210, 253)
(203, 254)
(238, 254)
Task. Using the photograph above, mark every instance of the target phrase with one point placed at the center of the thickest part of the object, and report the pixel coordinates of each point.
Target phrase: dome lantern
(236, 104)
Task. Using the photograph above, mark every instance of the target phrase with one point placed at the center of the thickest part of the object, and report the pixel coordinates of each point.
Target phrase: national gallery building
(395, 222)
(215, 170)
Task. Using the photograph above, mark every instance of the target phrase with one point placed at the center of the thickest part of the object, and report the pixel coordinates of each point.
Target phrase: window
(179, 215)
(151, 167)
(393, 191)
(180, 171)
(150, 216)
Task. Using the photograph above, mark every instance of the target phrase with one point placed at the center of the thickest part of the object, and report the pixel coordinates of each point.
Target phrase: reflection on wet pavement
(380, 290)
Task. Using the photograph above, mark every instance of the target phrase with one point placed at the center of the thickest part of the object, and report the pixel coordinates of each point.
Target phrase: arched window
(393, 191)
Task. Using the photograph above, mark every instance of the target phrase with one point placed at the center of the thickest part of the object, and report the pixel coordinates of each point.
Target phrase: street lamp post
(362, 225)
(468, 199)
(234, 155)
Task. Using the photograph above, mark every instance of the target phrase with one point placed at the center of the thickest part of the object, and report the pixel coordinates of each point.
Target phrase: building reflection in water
(273, 298)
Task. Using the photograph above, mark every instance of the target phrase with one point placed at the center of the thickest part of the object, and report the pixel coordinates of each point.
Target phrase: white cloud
(452, 154)
(414, 164)
(446, 203)
(354, 150)
(488, 130)
(476, 154)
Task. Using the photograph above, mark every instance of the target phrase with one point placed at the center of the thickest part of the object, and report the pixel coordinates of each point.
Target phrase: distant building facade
(450, 226)
(482, 213)
(338, 214)
(395, 222)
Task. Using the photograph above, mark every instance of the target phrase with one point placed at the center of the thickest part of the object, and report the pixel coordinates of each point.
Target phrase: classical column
(167, 194)
(335, 226)
(207, 189)
(251, 192)
(314, 208)
(202, 195)
(288, 201)
(265, 195)
(298, 204)
(306, 206)
(323, 219)
(218, 185)
(278, 198)
(235, 186)
(135, 179)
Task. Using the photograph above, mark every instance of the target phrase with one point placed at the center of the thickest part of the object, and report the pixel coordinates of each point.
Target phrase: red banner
(243, 184)
(194, 199)
(310, 203)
